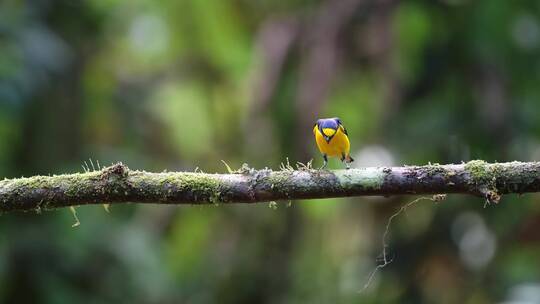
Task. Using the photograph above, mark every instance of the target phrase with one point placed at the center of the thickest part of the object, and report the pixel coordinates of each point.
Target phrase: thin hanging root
(435, 198)
(74, 212)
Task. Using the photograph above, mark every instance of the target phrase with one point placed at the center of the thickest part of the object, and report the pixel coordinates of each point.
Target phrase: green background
(179, 85)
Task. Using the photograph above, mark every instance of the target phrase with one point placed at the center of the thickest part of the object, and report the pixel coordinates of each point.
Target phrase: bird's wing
(343, 129)
(341, 125)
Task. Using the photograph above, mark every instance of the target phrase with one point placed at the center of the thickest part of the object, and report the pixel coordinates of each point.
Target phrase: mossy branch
(118, 184)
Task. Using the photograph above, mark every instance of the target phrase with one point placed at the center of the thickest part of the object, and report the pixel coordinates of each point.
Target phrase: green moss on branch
(118, 184)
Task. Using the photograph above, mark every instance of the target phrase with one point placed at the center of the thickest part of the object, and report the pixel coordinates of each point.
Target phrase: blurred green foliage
(179, 85)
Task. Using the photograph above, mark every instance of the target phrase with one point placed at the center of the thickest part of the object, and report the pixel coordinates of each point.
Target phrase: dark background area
(180, 85)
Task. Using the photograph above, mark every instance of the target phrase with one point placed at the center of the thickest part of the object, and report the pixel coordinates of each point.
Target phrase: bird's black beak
(327, 138)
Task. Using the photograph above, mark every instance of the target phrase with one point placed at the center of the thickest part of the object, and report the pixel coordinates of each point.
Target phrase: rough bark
(118, 184)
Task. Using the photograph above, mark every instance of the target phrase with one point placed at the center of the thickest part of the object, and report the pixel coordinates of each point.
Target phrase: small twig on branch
(118, 184)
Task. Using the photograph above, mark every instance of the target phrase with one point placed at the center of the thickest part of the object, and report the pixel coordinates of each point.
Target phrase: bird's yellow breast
(338, 145)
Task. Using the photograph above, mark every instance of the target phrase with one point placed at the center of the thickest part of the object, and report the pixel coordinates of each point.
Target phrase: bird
(332, 140)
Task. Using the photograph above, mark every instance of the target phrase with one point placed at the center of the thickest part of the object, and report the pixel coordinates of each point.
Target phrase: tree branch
(118, 184)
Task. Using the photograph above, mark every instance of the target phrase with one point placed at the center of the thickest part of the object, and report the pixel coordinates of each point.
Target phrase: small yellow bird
(332, 140)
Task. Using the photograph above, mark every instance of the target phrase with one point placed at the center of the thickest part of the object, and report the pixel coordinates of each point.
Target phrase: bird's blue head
(328, 127)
